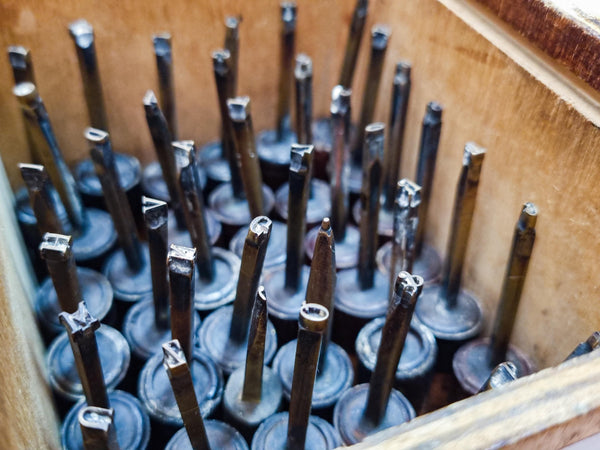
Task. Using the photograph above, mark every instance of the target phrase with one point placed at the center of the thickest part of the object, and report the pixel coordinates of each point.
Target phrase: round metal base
(460, 323)
(213, 339)
(385, 225)
(418, 355)
(318, 207)
(272, 434)
(472, 364)
(367, 304)
(234, 211)
(62, 372)
(221, 290)
(330, 384)
(219, 435)
(95, 290)
(249, 415)
(276, 248)
(139, 328)
(131, 423)
(427, 265)
(274, 156)
(179, 236)
(282, 303)
(128, 285)
(96, 239)
(209, 152)
(348, 414)
(346, 251)
(156, 394)
(128, 170)
(153, 182)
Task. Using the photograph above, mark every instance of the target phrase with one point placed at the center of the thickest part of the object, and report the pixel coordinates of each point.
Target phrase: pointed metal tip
(259, 229)
(301, 158)
(27, 93)
(232, 24)
(181, 259)
(313, 317)
(221, 60)
(239, 108)
(380, 35)
(162, 43)
(528, 216)
(173, 355)
(473, 155)
(79, 321)
(261, 294)
(150, 99)
(303, 67)
(326, 224)
(18, 56)
(156, 212)
(403, 69)
(288, 16)
(408, 288)
(93, 417)
(82, 33)
(56, 247)
(433, 112)
(96, 136)
(34, 175)
(184, 152)
(340, 100)
(408, 194)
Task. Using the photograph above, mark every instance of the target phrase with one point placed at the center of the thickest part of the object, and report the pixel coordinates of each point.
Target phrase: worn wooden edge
(569, 34)
(550, 409)
(27, 415)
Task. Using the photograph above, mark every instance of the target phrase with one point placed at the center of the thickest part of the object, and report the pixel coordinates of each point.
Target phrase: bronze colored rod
(97, 428)
(193, 206)
(232, 45)
(166, 80)
(180, 261)
(40, 198)
(299, 188)
(312, 323)
(369, 203)
(222, 67)
(156, 215)
(83, 37)
(393, 335)
(430, 139)
(287, 51)
(406, 216)
(253, 258)
(359, 18)
(514, 280)
(178, 369)
(393, 153)
(81, 328)
(245, 146)
(56, 250)
(255, 356)
(162, 138)
(20, 61)
(115, 197)
(46, 149)
(380, 35)
(321, 281)
(464, 206)
(340, 154)
(303, 75)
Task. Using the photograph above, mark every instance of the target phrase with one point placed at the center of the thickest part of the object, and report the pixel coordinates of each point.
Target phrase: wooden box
(537, 118)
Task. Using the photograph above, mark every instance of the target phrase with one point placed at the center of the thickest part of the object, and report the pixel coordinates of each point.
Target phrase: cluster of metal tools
(189, 305)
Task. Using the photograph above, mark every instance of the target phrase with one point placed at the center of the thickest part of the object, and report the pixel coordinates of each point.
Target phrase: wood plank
(27, 416)
(568, 30)
(530, 413)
